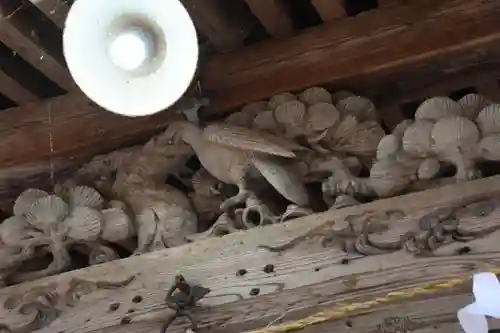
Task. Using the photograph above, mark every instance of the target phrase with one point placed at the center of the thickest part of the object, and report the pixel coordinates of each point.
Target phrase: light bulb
(128, 69)
(132, 48)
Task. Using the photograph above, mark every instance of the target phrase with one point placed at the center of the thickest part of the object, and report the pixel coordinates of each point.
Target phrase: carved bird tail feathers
(283, 180)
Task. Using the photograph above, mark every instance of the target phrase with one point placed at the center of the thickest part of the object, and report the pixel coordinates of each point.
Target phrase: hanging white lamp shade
(131, 57)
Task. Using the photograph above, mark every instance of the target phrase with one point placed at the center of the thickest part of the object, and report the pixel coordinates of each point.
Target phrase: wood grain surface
(306, 279)
(69, 125)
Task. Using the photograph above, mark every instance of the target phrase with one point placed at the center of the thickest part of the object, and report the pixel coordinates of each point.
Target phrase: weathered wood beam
(329, 10)
(14, 91)
(56, 10)
(306, 279)
(17, 33)
(68, 126)
(274, 16)
(364, 53)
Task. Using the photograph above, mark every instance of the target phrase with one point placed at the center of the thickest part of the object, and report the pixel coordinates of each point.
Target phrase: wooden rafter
(224, 30)
(329, 10)
(306, 279)
(56, 10)
(274, 16)
(23, 40)
(382, 48)
(14, 91)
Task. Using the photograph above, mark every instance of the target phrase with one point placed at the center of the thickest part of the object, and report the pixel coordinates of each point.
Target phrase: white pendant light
(132, 57)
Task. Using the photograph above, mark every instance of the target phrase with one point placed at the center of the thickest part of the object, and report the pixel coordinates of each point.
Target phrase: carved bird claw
(242, 196)
(256, 213)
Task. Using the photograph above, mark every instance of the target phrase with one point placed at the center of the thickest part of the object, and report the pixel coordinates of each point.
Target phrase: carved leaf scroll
(39, 307)
(461, 223)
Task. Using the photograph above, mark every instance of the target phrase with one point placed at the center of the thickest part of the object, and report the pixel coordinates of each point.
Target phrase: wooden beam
(68, 126)
(274, 16)
(306, 279)
(225, 29)
(368, 51)
(329, 10)
(56, 10)
(14, 91)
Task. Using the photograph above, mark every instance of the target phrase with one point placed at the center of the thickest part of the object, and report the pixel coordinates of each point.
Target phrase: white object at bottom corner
(486, 290)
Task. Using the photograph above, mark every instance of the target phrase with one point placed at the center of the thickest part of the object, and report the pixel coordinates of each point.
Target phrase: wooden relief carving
(374, 233)
(40, 306)
(289, 156)
(230, 153)
(445, 133)
(353, 238)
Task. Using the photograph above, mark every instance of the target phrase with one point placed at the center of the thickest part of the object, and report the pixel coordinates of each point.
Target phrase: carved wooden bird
(229, 153)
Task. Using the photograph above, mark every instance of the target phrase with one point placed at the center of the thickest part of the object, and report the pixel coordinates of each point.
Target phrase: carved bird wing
(246, 139)
(283, 180)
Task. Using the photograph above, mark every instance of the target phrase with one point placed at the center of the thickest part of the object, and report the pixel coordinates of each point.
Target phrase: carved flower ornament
(486, 290)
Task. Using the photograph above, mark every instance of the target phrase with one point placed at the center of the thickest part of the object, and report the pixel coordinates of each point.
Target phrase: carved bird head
(183, 131)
